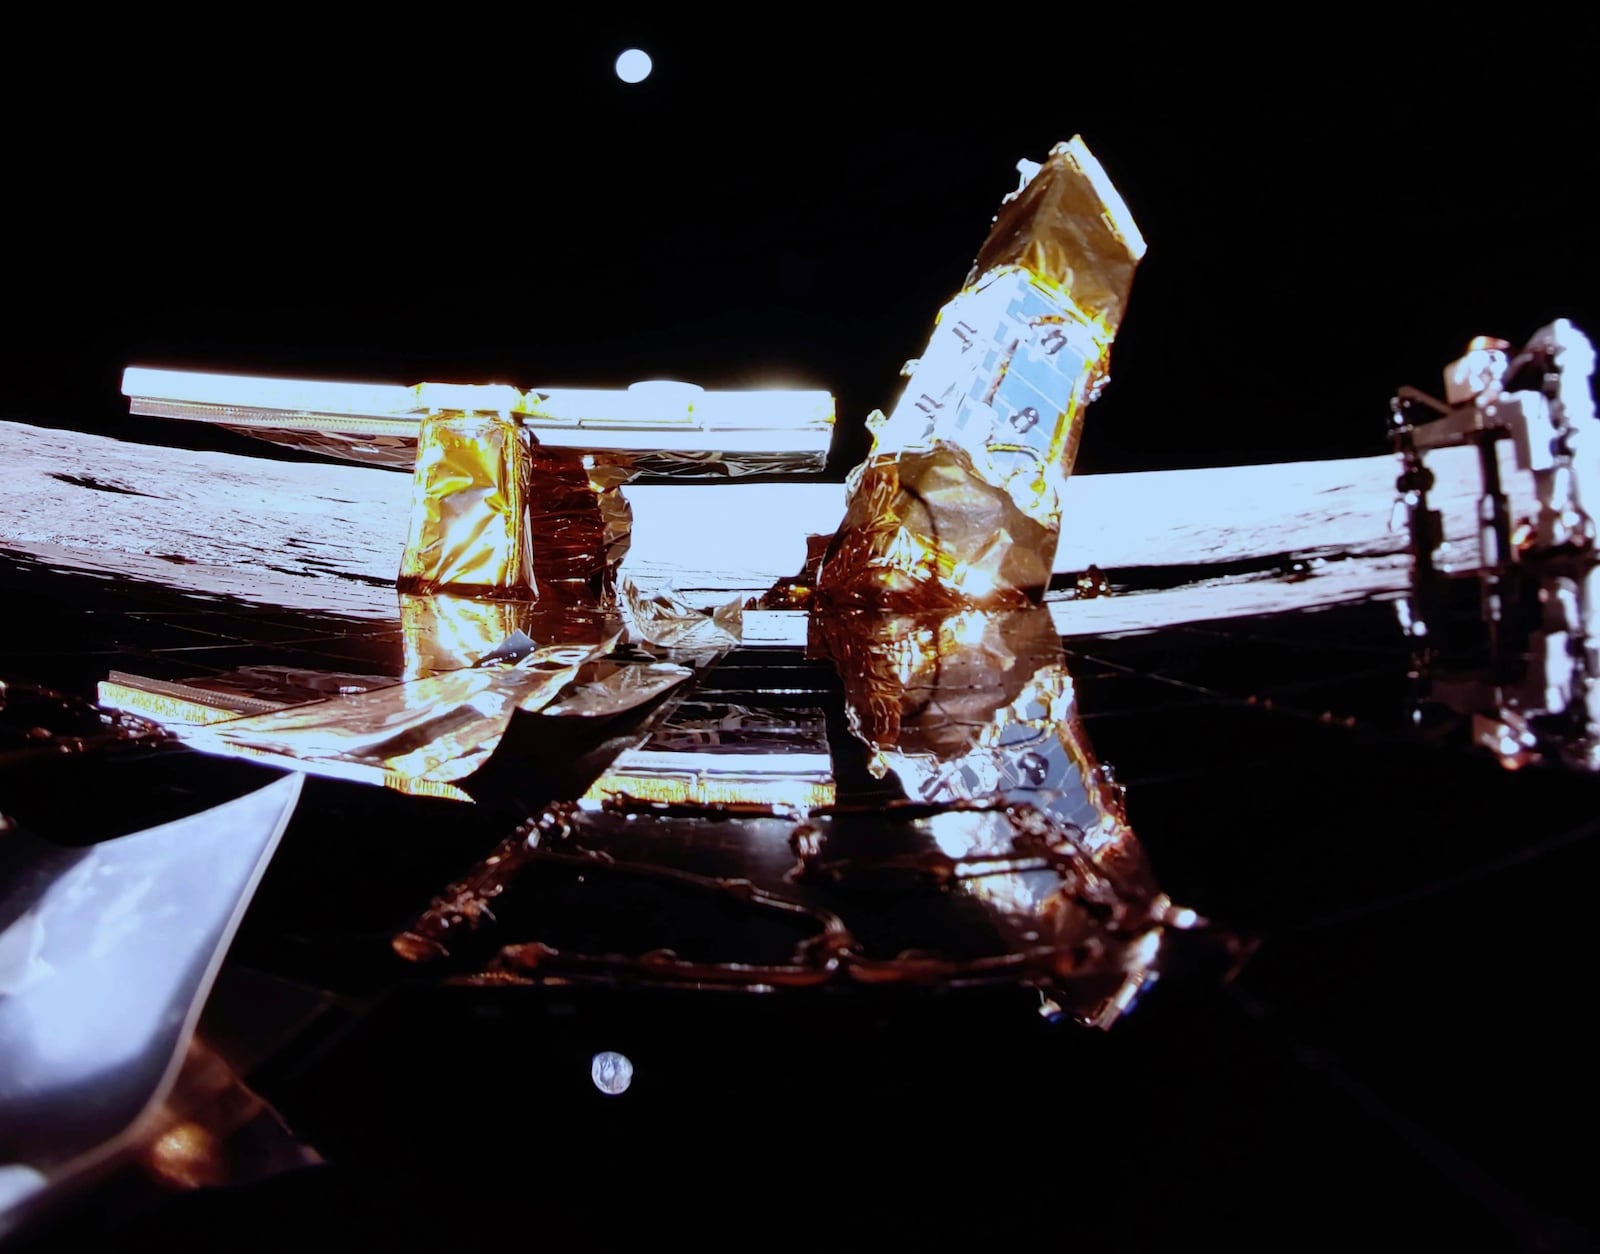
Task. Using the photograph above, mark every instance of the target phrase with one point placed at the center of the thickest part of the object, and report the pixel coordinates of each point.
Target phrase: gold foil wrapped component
(1068, 224)
(468, 505)
(979, 707)
(579, 524)
(959, 501)
(516, 495)
(927, 528)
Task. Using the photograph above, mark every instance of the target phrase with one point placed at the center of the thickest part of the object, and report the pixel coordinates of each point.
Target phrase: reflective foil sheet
(604, 688)
(107, 954)
(959, 501)
(978, 708)
(469, 496)
(985, 845)
(442, 632)
(666, 618)
(420, 736)
(578, 525)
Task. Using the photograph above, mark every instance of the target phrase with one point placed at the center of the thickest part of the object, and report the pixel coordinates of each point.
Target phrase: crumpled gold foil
(958, 502)
(929, 525)
(1070, 226)
(441, 632)
(420, 736)
(469, 497)
(579, 525)
(979, 706)
(975, 714)
(497, 515)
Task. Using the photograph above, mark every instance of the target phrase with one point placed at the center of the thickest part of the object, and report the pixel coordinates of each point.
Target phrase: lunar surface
(1180, 546)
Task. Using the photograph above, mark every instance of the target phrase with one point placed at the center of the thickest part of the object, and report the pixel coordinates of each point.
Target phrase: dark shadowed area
(1331, 211)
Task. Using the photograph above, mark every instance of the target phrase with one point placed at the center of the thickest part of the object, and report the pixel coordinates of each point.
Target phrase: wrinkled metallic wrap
(579, 525)
(1009, 828)
(469, 497)
(399, 452)
(605, 688)
(704, 464)
(392, 452)
(420, 736)
(667, 619)
(927, 527)
(958, 503)
(977, 706)
(441, 632)
(497, 515)
(1069, 227)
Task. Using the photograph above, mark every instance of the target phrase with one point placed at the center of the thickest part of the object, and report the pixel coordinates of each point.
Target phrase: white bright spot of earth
(634, 65)
(611, 1072)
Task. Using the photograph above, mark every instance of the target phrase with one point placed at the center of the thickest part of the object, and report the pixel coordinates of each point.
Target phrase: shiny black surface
(1402, 1055)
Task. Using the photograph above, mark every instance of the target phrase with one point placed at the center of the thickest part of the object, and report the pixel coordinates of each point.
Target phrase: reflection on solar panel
(1270, 766)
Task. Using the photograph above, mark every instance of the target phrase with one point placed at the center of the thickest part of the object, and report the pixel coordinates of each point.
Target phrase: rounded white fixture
(634, 65)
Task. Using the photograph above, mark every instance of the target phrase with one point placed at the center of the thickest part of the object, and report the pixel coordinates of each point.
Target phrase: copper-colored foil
(468, 498)
(926, 528)
(1069, 227)
(497, 515)
(979, 706)
(579, 525)
(959, 501)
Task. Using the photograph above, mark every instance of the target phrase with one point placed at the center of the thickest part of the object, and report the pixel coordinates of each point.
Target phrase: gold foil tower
(959, 501)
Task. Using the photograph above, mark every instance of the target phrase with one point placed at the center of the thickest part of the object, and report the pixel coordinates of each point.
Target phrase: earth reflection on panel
(830, 916)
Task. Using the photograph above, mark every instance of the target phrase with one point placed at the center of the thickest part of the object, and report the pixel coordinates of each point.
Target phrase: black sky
(1332, 209)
